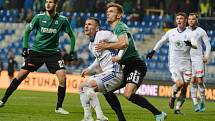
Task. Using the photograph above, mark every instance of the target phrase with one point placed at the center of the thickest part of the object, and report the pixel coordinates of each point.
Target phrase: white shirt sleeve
(94, 64)
(207, 43)
(162, 41)
(110, 36)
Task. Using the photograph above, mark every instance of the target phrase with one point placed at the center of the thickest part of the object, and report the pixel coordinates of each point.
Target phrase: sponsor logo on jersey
(44, 21)
(48, 30)
(178, 44)
(56, 22)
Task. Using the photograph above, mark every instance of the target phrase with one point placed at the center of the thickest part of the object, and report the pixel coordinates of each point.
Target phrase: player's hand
(85, 72)
(25, 52)
(150, 54)
(100, 46)
(73, 56)
(115, 59)
(188, 43)
(205, 59)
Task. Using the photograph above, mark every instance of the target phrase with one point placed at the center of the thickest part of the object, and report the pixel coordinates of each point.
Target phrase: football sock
(13, 86)
(115, 105)
(61, 95)
(174, 90)
(85, 104)
(144, 103)
(202, 91)
(193, 91)
(181, 98)
(94, 101)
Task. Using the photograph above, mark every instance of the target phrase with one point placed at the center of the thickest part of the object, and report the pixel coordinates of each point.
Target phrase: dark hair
(118, 6)
(95, 19)
(55, 1)
(193, 14)
(181, 14)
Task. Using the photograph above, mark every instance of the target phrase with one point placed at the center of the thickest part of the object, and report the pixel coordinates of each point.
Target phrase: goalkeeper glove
(150, 54)
(25, 52)
(72, 56)
(188, 43)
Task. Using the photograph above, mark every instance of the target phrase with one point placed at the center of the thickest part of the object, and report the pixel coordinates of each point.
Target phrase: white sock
(96, 105)
(174, 90)
(202, 91)
(85, 102)
(193, 91)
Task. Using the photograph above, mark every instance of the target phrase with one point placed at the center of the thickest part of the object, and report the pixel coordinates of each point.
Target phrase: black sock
(115, 105)
(144, 103)
(13, 85)
(61, 94)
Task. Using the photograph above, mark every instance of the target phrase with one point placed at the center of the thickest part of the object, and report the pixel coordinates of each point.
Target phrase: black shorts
(134, 72)
(35, 60)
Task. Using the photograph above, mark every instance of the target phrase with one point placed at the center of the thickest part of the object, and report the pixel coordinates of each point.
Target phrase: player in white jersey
(180, 43)
(198, 59)
(108, 80)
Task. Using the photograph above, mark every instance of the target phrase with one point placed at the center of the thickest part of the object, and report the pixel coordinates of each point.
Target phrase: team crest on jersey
(178, 44)
(56, 22)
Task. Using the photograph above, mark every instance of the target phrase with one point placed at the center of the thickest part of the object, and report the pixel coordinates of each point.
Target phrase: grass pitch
(40, 106)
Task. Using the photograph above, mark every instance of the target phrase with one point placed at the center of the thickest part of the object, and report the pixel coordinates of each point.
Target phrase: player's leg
(13, 85)
(134, 76)
(113, 101)
(177, 79)
(186, 80)
(61, 75)
(193, 91)
(31, 64)
(85, 102)
(89, 88)
(201, 87)
(55, 64)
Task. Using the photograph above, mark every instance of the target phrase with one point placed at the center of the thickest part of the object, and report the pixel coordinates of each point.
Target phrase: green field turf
(39, 106)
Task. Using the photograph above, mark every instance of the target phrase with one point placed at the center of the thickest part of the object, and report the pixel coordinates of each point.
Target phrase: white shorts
(107, 81)
(198, 69)
(184, 75)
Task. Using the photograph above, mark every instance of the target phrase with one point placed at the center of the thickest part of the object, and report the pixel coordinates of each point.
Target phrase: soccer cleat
(89, 118)
(196, 108)
(178, 112)
(62, 111)
(202, 107)
(1, 104)
(161, 117)
(103, 118)
(172, 103)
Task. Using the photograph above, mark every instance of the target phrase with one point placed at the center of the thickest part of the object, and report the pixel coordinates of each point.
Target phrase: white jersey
(104, 58)
(201, 37)
(179, 53)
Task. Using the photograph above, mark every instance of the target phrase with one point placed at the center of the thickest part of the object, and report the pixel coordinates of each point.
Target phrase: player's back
(104, 57)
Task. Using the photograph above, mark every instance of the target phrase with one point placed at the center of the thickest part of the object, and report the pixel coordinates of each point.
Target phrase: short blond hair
(118, 6)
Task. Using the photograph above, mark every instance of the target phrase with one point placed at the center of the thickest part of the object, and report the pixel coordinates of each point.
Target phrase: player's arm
(121, 43)
(27, 32)
(68, 30)
(92, 66)
(162, 41)
(207, 45)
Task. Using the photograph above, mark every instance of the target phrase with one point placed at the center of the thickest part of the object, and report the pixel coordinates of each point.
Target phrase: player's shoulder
(40, 14)
(104, 32)
(62, 17)
(200, 29)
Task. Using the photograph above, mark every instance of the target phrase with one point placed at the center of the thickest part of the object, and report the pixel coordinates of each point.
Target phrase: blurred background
(148, 21)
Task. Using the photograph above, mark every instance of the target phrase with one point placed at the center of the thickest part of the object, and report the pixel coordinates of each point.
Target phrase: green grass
(39, 106)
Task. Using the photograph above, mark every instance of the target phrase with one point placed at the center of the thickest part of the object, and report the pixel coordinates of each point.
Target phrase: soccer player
(45, 50)
(198, 59)
(108, 80)
(180, 43)
(134, 68)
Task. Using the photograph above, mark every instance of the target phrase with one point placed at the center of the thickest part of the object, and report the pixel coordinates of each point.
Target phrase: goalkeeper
(45, 50)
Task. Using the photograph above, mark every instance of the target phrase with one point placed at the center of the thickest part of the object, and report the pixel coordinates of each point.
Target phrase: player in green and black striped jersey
(48, 26)
(134, 67)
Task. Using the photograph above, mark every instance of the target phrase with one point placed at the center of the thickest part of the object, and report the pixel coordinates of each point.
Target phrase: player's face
(50, 5)
(181, 21)
(192, 20)
(112, 14)
(90, 27)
